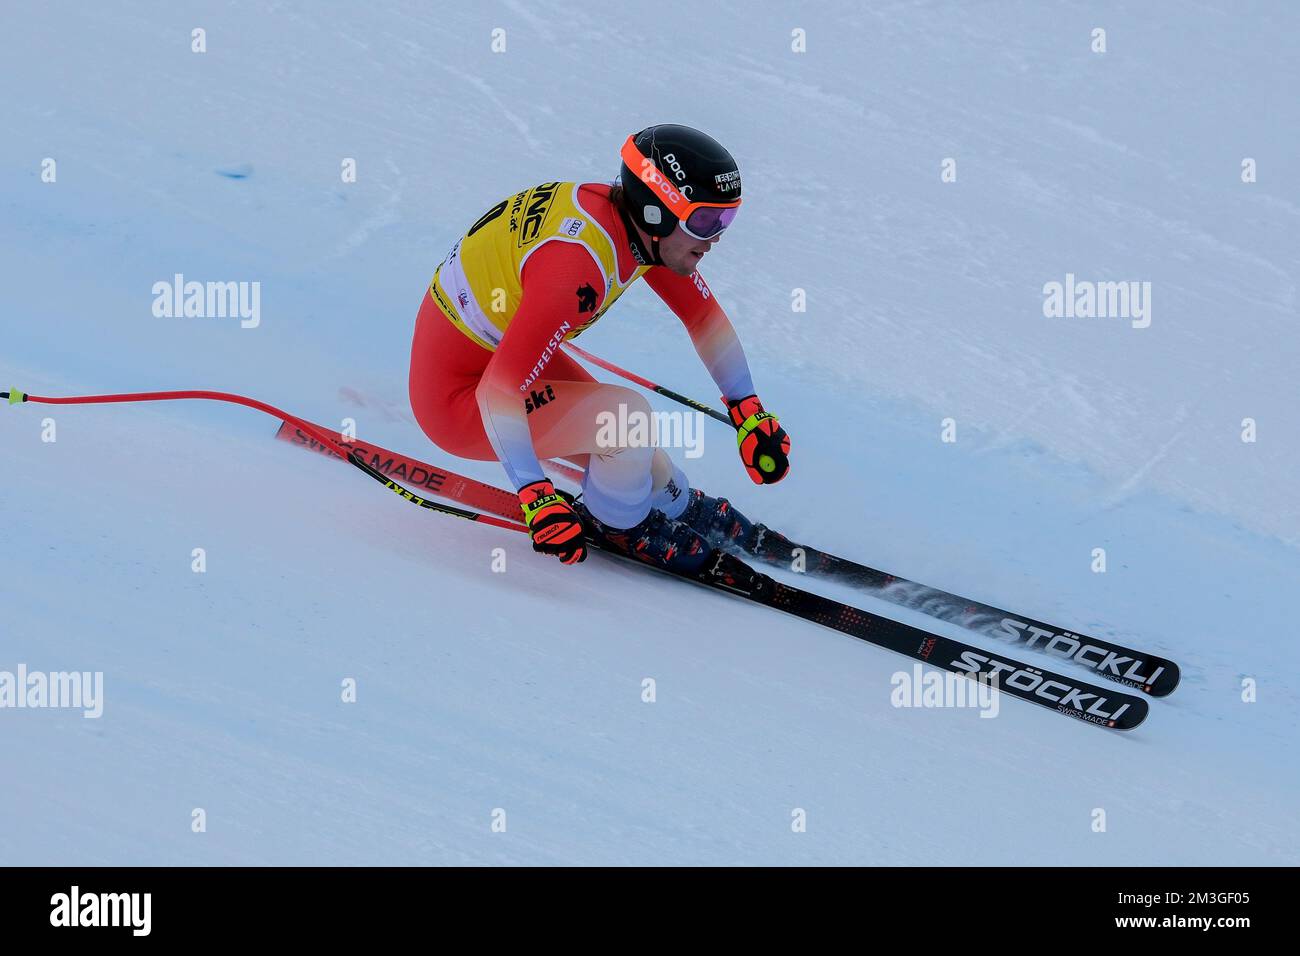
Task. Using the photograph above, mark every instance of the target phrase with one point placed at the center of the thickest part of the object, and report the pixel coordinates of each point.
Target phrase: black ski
(1154, 675)
(1087, 702)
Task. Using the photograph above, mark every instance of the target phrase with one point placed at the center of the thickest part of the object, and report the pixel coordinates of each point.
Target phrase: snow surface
(522, 691)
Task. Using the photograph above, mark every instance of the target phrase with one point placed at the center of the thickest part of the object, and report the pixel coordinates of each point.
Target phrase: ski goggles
(699, 220)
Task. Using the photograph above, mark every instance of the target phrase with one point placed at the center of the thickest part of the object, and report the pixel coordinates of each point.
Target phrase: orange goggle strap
(662, 186)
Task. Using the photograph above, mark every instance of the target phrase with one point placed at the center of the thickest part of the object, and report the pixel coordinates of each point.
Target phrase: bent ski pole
(16, 397)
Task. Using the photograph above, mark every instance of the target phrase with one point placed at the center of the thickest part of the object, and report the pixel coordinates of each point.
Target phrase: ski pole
(646, 383)
(16, 397)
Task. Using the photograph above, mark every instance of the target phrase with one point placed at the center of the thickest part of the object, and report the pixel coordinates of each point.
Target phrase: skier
(488, 379)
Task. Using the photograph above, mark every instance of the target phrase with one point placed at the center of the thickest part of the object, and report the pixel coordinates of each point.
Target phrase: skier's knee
(625, 427)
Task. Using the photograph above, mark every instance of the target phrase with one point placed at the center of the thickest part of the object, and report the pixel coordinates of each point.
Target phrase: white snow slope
(521, 691)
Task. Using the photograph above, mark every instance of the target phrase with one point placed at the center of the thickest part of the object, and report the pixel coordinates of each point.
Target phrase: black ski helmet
(681, 158)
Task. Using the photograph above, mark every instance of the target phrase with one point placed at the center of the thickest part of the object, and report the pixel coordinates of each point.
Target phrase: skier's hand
(764, 445)
(553, 524)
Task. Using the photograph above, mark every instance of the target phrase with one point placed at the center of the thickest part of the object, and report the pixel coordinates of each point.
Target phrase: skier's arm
(711, 332)
(548, 309)
(763, 444)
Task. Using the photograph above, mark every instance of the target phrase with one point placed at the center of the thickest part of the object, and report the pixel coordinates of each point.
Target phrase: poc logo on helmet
(675, 166)
(678, 173)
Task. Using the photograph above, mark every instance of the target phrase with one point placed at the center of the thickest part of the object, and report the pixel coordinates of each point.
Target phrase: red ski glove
(764, 445)
(553, 524)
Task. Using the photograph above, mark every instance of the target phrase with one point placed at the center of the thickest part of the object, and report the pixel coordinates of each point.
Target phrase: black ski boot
(727, 529)
(658, 540)
(721, 525)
